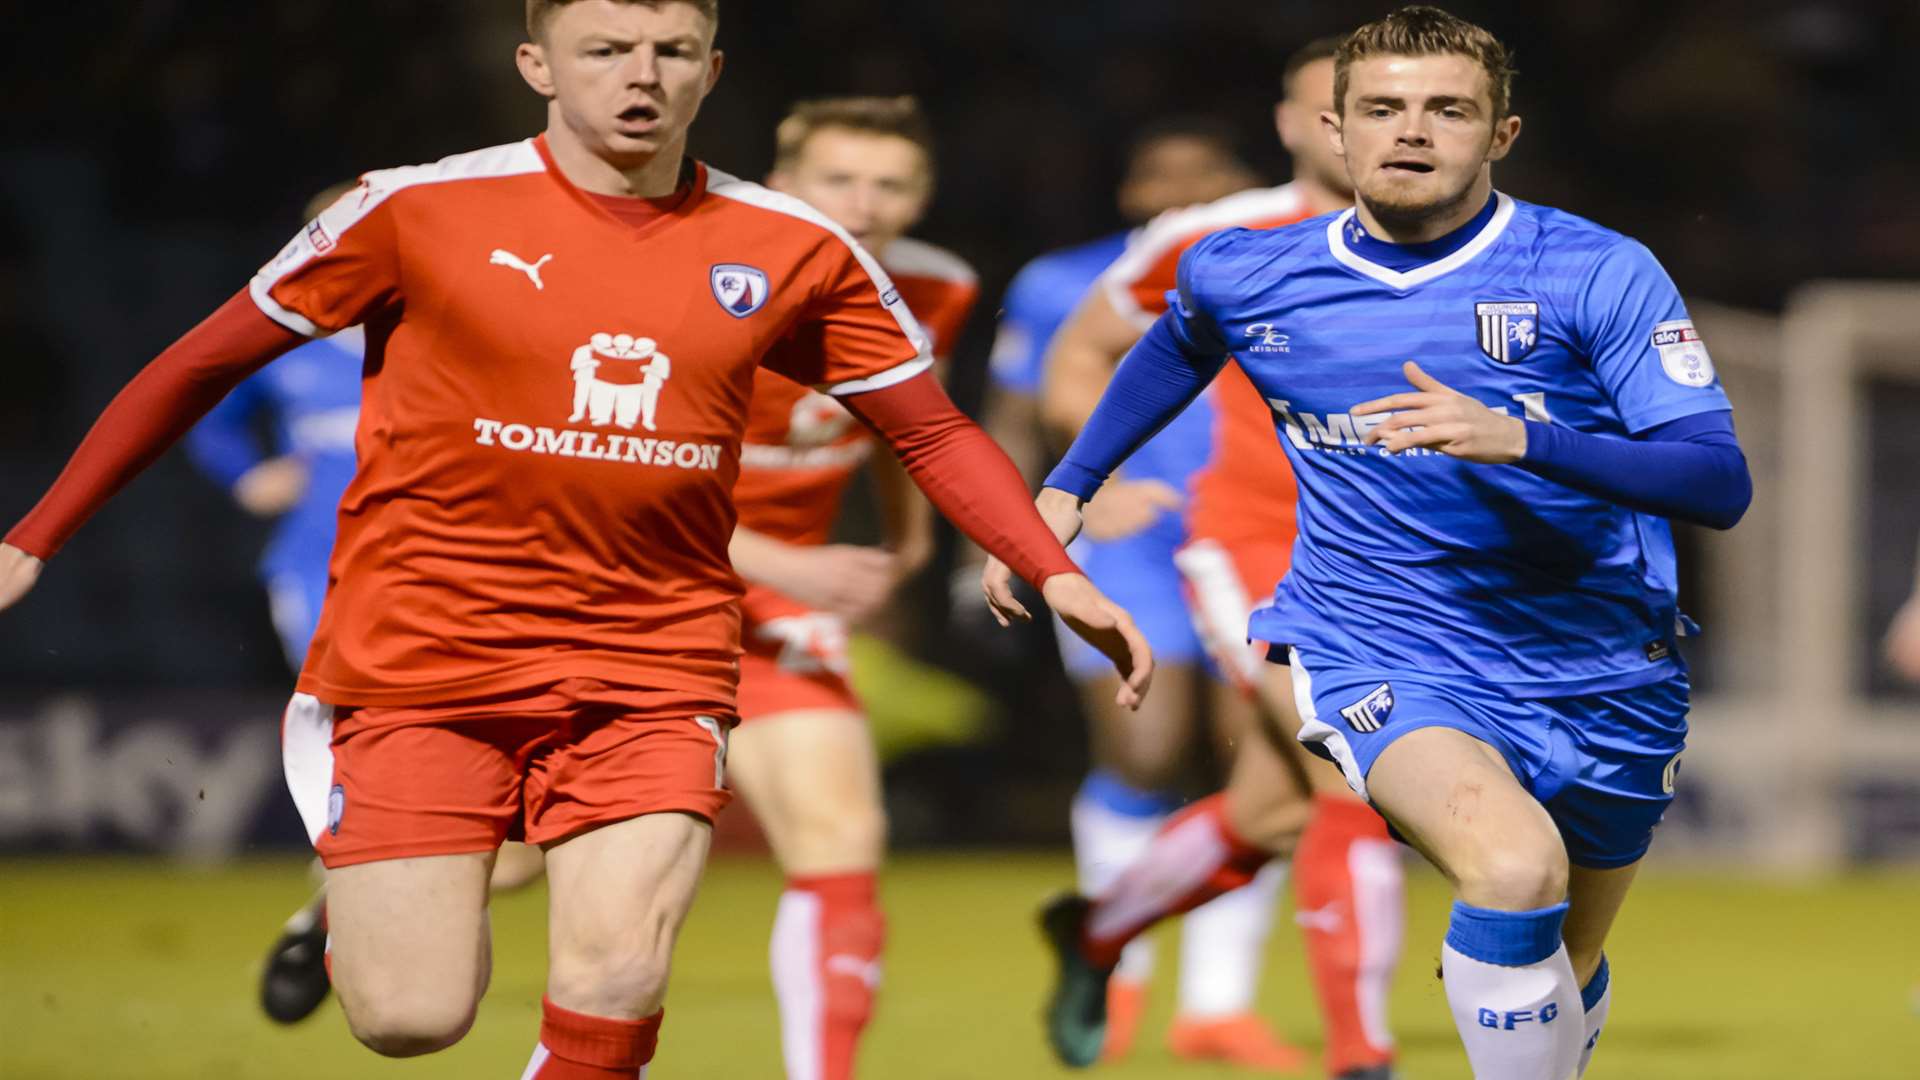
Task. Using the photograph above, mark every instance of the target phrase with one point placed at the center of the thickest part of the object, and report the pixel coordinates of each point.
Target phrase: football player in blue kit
(1482, 608)
(1133, 530)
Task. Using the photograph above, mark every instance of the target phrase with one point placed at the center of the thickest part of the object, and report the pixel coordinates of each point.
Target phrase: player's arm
(1081, 360)
(1080, 363)
(1683, 460)
(846, 580)
(857, 343)
(179, 387)
(225, 448)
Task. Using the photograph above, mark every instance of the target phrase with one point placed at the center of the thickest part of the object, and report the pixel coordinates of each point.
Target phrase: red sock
(1195, 857)
(1349, 893)
(827, 941)
(575, 1046)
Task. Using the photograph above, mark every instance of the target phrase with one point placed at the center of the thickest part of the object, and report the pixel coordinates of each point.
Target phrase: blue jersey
(1041, 297)
(310, 399)
(1424, 562)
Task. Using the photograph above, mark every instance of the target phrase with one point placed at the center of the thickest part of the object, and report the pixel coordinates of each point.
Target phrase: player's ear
(1505, 130)
(715, 64)
(531, 59)
(1330, 124)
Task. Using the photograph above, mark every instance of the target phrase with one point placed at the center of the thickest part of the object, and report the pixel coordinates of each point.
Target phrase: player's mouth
(1407, 166)
(639, 119)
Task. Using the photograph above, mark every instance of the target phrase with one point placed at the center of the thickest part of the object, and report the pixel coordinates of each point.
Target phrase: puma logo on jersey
(503, 257)
(867, 971)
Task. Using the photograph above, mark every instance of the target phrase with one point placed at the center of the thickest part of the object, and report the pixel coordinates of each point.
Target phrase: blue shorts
(1603, 764)
(1139, 575)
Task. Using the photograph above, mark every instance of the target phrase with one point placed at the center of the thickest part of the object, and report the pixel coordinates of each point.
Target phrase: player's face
(872, 185)
(626, 79)
(1418, 135)
(1180, 170)
(1297, 116)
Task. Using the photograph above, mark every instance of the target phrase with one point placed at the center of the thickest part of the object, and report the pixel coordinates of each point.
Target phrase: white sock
(1513, 995)
(1597, 995)
(1223, 946)
(1112, 824)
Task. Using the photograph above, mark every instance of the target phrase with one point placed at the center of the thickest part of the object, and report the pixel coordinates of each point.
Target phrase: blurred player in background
(532, 630)
(1133, 529)
(1481, 612)
(311, 402)
(1240, 524)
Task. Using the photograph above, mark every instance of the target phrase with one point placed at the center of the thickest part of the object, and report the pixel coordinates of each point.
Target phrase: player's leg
(1508, 976)
(409, 948)
(517, 866)
(618, 895)
(1125, 798)
(624, 811)
(294, 981)
(812, 779)
(1594, 897)
(1349, 899)
(406, 806)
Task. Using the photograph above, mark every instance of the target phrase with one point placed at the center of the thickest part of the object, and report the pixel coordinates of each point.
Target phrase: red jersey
(802, 448)
(552, 413)
(1246, 490)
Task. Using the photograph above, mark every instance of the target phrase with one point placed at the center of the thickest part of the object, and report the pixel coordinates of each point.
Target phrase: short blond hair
(1426, 31)
(900, 117)
(539, 11)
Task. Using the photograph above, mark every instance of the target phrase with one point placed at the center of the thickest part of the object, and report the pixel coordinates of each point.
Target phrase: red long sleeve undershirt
(963, 472)
(151, 414)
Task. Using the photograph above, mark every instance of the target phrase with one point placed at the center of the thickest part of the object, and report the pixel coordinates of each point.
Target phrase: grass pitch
(120, 968)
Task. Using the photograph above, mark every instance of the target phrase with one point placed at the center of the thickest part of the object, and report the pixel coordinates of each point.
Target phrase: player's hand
(847, 580)
(1125, 507)
(1444, 419)
(18, 572)
(1106, 626)
(1902, 643)
(272, 487)
(1061, 512)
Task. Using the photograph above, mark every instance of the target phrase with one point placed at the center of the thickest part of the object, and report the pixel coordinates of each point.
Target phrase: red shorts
(400, 781)
(1225, 583)
(796, 660)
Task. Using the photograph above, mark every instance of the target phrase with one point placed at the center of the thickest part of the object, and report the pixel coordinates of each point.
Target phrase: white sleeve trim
(1176, 228)
(893, 376)
(263, 299)
(321, 234)
(909, 257)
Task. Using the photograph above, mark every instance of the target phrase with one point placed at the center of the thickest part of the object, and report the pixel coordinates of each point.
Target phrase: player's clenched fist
(1444, 419)
(18, 572)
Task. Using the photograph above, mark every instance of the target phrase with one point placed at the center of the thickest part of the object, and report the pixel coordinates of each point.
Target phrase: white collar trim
(1420, 275)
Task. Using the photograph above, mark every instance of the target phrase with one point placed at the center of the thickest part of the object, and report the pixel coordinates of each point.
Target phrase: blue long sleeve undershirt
(1689, 469)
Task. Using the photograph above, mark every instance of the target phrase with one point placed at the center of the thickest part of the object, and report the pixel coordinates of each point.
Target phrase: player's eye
(600, 52)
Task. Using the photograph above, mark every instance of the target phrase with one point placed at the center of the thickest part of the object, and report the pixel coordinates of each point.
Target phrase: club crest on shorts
(1508, 328)
(1370, 712)
(741, 289)
(336, 808)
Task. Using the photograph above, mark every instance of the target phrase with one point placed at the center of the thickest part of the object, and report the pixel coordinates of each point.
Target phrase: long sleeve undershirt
(1689, 469)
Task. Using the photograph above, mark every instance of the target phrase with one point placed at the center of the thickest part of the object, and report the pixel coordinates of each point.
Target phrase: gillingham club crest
(1508, 329)
(741, 289)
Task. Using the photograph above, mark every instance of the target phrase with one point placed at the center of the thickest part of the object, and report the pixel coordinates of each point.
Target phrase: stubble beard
(1408, 216)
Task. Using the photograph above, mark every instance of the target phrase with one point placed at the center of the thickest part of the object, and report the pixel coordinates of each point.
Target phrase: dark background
(157, 152)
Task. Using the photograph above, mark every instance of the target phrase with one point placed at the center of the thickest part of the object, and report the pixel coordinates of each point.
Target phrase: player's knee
(1516, 876)
(408, 1026)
